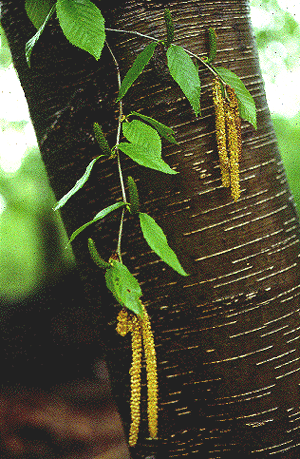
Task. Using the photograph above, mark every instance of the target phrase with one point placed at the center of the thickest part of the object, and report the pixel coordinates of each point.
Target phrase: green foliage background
(32, 238)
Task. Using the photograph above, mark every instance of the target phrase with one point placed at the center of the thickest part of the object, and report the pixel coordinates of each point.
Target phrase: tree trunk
(227, 335)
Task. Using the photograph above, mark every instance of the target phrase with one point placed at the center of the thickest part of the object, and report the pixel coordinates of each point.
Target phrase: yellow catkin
(221, 132)
(122, 325)
(135, 375)
(151, 368)
(234, 148)
(235, 106)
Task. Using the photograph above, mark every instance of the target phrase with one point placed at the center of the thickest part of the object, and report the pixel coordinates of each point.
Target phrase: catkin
(151, 368)
(135, 375)
(221, 132)
(141, 334)
(233, 126)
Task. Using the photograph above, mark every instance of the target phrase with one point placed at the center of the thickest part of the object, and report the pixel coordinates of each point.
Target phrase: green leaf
(99, 216)
(169, 27)
(185, 74)
(144, 135)
(30, 43)
(157, 240)
(124, 287)
(83, 25)
(138, 66)
(79, 184)
(246, 101)
(164, 131)
(212, 41)
(141, 156)
(37, 11)
(133, 195)
(103, 144)
(95, 255)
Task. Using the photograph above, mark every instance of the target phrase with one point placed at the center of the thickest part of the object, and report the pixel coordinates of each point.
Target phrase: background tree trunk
(227, 335)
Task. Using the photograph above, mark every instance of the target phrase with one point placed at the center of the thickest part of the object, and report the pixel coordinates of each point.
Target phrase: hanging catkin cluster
(141, 334)
(228, 132)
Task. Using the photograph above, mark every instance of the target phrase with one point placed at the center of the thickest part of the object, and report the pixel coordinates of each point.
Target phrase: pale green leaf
(37, 11)
(164, 131)
(144, 135)
(30, 43)
(185, 74)
(246, 101)
(83, 25)
(124, 287)
(157, 240)
(141, 156)
(99, 216)
(79, 184)
(138, 66)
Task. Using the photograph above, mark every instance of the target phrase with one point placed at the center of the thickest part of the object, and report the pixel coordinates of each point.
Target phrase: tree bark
(226, 336)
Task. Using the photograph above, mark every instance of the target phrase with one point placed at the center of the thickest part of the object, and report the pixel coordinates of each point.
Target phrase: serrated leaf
(83, 25)
(185, 74)
(164, 131)
(98, 217)
(95, 255)
(141, 156)
(212, 41)
(30, 43)
(144, 135)
(102, 142)
(37, 11)
(246, 101)
(157, 240)
(124, 287)
(138, 66)
(79, 184)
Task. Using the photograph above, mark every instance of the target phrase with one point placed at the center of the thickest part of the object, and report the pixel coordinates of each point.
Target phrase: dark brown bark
(227, 335)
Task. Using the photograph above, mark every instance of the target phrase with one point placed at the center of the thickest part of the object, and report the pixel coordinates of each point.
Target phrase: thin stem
(133, 32)
(118, 155)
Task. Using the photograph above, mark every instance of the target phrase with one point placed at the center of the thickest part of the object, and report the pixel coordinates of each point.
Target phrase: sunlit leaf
(144, 135)
(157, 240)
(83, 25)
(30, 43)
(124, 287)
(162, 129)
(138, 66)
(246, 101)
(79, 184)
(37, 11)
(185, 74)
(98, 217)
(141, 156)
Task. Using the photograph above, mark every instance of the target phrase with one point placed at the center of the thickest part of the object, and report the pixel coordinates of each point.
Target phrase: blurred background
(32, 239)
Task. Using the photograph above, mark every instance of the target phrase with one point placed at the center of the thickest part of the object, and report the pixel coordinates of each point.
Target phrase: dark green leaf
(157, 240)
(143, 135)
(103, 144)
(165, 131)
(37, 11)
(138, 66)
(95, 255)
(133, 196)
(141, 156)
(246, 101)
(83, 25)
(30, 43)
(169, 27)
(99, 216)
(212, 41)
(124, 287)
(185, 74)
(79, 184)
